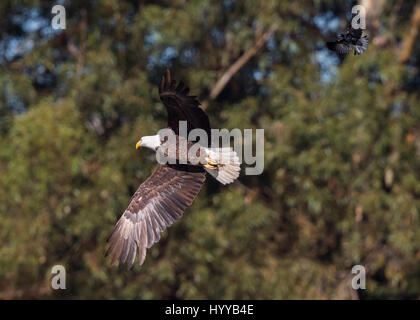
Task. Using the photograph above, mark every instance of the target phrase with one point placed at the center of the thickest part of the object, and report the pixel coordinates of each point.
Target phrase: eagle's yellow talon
(211, 167)
(211, 162)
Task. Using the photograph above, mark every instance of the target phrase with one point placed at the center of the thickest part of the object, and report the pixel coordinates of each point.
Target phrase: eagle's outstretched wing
(181, 106)
(157, 203)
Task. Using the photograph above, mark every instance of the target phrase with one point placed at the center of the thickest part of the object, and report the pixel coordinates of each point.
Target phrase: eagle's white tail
(223, 164)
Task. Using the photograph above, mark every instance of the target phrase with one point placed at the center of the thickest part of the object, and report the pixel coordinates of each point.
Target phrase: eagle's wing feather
(181, 106)
(157, 203)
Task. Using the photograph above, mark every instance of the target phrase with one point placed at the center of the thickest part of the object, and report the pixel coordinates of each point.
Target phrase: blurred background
(341, 184)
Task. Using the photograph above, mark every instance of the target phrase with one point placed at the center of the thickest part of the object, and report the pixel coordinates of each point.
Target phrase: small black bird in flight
(345, 42)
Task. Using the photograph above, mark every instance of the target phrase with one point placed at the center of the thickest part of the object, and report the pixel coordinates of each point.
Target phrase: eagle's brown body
(185, 152)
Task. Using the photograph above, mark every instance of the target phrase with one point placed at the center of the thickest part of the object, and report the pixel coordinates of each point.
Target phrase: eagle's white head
(152, 142)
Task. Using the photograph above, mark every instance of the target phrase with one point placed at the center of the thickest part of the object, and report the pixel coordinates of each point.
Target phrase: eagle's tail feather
(223, 164)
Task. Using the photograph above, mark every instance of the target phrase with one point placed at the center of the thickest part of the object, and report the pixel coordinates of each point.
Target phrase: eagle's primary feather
(157, 203)
(182, 107)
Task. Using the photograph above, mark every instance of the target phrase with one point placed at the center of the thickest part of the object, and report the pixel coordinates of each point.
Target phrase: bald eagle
(162, 198)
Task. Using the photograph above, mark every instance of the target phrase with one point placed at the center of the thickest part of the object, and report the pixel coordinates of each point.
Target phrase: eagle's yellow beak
(138, 144)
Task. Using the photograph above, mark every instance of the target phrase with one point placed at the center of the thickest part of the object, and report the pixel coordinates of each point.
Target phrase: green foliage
(341, 184)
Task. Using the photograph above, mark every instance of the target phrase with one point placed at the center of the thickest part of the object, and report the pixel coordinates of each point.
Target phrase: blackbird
(345, 42)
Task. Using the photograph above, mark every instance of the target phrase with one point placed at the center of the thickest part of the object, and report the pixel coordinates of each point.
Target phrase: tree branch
(79, 53)
(237, 65)
(410, 39)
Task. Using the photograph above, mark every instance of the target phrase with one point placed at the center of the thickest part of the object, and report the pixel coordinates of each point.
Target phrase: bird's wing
(343, 47)
(361, 45)
(181, 106)
(157, 203)
(356, 33)
(331, 45)
(340, 46)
